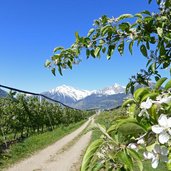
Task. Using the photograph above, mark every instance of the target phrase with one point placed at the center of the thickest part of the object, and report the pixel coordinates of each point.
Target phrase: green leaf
(124, 16)
(97, 51)
(103, 130)
(157, 78)
(132, 89)
(59, 69)
(91, 31)
(97, 167)
(111, 49)
(125, 160)
(132, 110)
(90, 153)
(130, 46)
(55, 57)
(128, 102)
(168, 85)
(153, 67)
(105, 29)
(87, 53)
(158, 2)
(153, 111)
(143, 50)
(77, 36)
(160, 82)
(58, 48)
(131, 129)
(150, 95)
(167, 3)
(147, 45)
(124, 26)
(121, 48)
(139, 15)
(146, 12)
(148, 62)
(138, 160)
(101, 42)
(47, 63)
(160, 31)
(139, 93)
(69, 64)
(92, 53)
(104, 49)
(53, 71)
(149, 1)
(124, 122)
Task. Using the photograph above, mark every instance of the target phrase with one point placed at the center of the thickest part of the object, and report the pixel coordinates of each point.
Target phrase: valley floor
(64, 155)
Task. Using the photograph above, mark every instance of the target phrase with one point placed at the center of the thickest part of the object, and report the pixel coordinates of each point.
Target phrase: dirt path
(53, 158)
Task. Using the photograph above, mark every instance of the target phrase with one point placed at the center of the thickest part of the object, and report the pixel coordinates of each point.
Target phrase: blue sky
(30, 30)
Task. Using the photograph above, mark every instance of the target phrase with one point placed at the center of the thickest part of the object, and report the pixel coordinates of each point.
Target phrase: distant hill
(106, 98)
(100, 101)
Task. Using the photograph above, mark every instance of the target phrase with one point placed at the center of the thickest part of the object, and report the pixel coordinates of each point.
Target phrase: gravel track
(53, 158)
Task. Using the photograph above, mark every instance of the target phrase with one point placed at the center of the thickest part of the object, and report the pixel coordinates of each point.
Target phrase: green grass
(35, 143)
(107, 118)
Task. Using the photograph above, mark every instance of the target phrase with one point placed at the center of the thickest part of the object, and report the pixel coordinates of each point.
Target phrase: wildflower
(163, 128)
(157, 154)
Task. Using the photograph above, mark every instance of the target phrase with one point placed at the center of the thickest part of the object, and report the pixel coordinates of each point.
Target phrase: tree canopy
(150, 32)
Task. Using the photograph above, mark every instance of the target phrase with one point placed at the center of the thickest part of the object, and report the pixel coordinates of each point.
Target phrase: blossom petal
(169, 130)
(157, 129)
(148, 155)
(166, 100)
(141, 141)
(132, 146)
(157, 149)
(155, 162)
(164, 158)
(169, 122)
(164, 137)
(162, 120)
(164, 151)
(147, 104)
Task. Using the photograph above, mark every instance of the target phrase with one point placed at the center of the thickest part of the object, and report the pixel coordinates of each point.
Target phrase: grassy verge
(107, 118)
(34, 143)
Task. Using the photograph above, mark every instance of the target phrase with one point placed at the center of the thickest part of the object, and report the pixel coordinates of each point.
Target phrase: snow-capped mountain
(76, 94)
(84, 99)
(115, 89)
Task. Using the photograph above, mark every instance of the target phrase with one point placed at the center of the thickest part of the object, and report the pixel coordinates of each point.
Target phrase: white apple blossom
(163, 128)
(165, 99)
(157, 154)
(147, 104)
(144, 106)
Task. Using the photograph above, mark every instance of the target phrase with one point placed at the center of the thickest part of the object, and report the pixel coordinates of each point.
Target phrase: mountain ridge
(105, 98)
